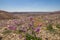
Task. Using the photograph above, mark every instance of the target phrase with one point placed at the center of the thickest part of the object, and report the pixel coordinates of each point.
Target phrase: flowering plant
(34, 31)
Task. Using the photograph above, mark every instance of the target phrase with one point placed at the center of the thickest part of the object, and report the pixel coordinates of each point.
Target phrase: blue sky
(30, 5)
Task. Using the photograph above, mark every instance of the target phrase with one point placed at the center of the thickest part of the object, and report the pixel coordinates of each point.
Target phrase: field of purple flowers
(43, 27)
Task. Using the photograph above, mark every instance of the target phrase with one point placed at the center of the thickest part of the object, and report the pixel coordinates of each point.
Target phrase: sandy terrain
(22, 20)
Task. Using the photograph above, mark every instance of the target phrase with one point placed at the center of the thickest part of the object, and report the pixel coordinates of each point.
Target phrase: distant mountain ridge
(11, 15)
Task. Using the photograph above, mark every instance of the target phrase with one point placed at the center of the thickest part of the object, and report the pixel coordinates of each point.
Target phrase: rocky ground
(9, 28)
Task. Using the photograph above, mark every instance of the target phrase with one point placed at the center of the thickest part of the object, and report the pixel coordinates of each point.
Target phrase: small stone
(46, 38)
(0, 38)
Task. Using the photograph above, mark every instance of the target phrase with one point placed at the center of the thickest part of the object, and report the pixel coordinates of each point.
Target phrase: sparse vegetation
(30, 27)
(6, 32)
(58, 26)
(30, 37)
(50, 28)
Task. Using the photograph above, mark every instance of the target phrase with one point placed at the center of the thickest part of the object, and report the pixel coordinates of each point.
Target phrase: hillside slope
(6, 15)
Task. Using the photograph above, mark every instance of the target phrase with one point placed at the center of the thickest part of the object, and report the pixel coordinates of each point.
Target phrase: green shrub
(30, 37)
(50, 28)
(6, 32)
(58, 26)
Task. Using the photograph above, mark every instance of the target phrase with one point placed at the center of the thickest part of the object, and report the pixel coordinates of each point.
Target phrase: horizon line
(30, 11)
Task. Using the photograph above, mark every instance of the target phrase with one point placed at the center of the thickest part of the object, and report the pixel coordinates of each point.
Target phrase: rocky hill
(6, 15)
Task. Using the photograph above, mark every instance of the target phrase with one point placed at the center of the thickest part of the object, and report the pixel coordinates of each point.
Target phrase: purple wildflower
(37, 29)
(23, 29)
(31, 24)
(39, 25)
(11, 27)
(20, 36)
(16, 21)
(31, 18)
